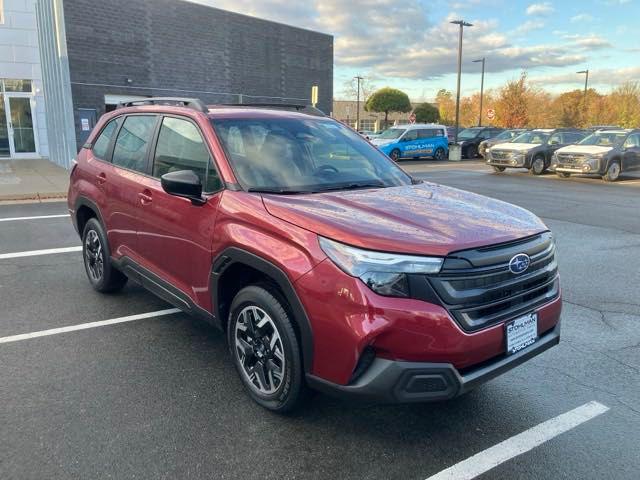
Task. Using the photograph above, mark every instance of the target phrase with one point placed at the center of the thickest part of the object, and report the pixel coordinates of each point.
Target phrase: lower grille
(479, 290)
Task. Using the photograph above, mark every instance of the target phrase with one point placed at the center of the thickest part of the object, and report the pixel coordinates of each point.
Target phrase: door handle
(145, 197)
(101, 178)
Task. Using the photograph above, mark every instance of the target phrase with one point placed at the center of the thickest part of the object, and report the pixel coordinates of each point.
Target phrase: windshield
(392, 133)
(605, 139)
(469, 133)
(508, 135)
(284, 155)
(532, 137)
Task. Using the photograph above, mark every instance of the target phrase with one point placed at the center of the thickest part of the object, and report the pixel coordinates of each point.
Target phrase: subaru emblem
(519, 263)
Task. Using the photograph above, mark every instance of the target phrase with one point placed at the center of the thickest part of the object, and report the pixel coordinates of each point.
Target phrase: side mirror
(183, 183)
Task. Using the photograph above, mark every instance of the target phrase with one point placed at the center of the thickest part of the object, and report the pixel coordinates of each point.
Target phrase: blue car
(414, 141)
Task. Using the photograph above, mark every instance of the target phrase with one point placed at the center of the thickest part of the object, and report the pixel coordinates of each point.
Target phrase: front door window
(5, 151)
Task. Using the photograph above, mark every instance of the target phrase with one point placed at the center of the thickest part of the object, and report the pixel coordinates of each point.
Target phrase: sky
(410, 44)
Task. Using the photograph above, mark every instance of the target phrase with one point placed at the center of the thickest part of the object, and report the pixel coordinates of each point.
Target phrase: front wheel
(439, 154)
(613, 172)
(395, 155)
(563, 174)
(472, 152)
(537, 166)
(498, 169)
(265, 349)
(102, 274)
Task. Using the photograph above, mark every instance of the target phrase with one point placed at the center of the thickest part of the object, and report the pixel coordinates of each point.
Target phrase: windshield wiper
(280, 191)
(352, 186)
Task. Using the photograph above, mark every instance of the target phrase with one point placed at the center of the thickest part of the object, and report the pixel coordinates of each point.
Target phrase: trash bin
(455, 153)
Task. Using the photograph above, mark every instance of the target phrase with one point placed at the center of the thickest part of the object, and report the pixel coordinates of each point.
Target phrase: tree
(387, 100)
(512, 108)
(446, 106)
(350, 89)
(426, 113)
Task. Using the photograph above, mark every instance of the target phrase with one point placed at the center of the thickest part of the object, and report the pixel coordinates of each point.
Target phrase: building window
(349, 122)
(367, 124)
(1, 12)
(7, 85)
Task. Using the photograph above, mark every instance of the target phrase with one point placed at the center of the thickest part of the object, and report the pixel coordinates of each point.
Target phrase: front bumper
(389, 381)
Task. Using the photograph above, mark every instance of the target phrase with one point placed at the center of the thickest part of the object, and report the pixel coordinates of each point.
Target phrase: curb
(34, 197)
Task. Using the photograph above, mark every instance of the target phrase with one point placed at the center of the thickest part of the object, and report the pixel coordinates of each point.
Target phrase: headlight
(384, 273)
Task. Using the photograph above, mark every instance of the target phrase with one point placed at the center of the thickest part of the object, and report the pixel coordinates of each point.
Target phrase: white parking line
(521, 443)
(38, 217)
(33, 253)
(84, 326)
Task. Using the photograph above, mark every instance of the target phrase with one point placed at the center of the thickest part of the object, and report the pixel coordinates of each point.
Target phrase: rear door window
(101, 145)
(130, 150)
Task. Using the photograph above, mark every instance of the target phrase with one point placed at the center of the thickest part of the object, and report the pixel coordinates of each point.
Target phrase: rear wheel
(472, 151)
(103, 276)
(538, 165)
(613, 172)
(265, 349)
(439, 154)
(498, 169)
(395, 155)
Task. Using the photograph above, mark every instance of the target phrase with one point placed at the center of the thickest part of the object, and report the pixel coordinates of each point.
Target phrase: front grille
(570, 159)
(479, 290)
(500, 155)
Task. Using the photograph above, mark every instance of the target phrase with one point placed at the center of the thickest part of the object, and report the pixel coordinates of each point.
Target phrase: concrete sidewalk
(32, 179)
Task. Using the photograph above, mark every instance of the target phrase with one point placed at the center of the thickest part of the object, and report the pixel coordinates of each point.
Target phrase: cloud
(388, 39)
(544, 8)
(581, 17)
(600, 77)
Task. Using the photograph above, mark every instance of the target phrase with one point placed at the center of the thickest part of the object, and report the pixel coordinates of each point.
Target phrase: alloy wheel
(94, 255)
(614, 171)
(259, 350)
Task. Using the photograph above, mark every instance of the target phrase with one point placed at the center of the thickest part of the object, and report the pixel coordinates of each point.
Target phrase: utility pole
(358, 78)
(462, 24)
(586, 84)
(481, 89)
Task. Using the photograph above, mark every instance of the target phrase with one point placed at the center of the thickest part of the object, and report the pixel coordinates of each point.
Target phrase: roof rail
(308, 109)
(193, 103)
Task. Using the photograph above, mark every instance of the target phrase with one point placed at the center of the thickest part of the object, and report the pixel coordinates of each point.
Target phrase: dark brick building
(118, 49)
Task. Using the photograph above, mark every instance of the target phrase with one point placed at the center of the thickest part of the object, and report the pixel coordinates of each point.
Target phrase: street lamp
(481, 89)
(358, 78)
(462, 24)
(586, 83)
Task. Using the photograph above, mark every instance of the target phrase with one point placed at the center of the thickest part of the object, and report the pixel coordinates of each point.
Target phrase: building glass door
(22, 139)
(5, 151)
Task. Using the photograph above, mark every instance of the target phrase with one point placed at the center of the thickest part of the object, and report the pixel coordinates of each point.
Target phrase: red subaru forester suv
(325, 263)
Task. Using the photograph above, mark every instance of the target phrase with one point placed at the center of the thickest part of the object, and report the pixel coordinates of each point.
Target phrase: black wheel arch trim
(234, 255)
(85, 202)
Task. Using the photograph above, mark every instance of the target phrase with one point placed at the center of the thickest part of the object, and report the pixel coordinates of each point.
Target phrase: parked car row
(607, 153)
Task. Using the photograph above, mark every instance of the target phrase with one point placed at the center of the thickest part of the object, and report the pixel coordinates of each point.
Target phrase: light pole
(358, 78)
(586, 84)
(462, 24)
(481, 89)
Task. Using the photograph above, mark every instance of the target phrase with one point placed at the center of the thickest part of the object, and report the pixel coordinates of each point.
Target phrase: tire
(267, 358)
(498, 169)
(395, 154)
(563, 174)
(439, 154)
(472, 152)
(613, 172)
(96, 254)
(538, 165)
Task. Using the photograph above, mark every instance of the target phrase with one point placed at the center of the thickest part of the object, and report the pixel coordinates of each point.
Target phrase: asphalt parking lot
(157, 397)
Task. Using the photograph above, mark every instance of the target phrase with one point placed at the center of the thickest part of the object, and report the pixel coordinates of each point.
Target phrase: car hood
(588, 149)
(424, 219)
(383, 141)
(517, 147)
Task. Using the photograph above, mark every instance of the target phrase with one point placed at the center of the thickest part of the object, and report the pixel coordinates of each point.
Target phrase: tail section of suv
(532, 150)
(607, 153)
(326, 265)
